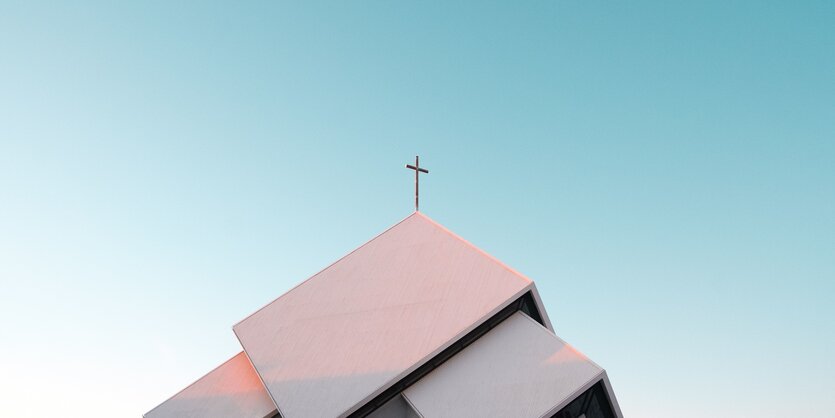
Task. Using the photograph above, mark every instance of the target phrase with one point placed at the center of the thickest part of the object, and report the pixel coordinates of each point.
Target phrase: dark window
(593, 403)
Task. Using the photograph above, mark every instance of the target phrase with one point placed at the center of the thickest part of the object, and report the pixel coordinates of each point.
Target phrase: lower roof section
(518, 369)
(231, 390)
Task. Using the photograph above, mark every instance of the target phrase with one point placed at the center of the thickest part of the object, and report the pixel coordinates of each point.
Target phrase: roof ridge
(473, 246)
(320, 271)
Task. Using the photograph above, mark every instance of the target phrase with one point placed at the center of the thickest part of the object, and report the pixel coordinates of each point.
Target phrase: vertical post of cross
(418, 169)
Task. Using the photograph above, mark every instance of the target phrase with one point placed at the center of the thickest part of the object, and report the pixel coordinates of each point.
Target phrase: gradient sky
(663, 170)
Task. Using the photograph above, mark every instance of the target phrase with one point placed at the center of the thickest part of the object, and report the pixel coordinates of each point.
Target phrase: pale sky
(663, 170)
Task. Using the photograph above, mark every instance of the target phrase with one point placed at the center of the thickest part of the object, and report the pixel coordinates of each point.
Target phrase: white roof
(335, 341)
(231, 390)
(518, 369)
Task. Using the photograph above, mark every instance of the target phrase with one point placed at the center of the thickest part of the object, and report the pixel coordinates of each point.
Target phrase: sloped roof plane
(335, 341)
(231, 390)
(518, 369)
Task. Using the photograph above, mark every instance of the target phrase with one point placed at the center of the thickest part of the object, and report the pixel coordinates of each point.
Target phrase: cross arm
(422, 170)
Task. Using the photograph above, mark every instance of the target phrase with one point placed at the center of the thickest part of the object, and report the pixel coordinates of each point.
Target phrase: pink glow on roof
(566, 354)
(231, 390)
(353, 329)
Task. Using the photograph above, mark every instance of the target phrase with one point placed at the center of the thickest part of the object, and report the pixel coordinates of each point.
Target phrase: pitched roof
(518, 369)
(231, 390)
(335, 341)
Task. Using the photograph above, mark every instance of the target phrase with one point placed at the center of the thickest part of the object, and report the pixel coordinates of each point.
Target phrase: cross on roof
(418, 169)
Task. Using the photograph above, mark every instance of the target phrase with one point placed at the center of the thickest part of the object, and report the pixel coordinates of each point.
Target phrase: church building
(416, 322)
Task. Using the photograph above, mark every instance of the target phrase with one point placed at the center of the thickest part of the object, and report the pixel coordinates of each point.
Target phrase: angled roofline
(469, 244)
(439, 226)
(610, 392)
(537, 300)
(261, 379)
(607, 388)
(599, 376)
(433, 356)
(320, 271)
(210, 372)
(529, 286)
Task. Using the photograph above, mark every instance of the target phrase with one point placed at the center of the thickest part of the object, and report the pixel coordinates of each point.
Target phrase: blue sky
(663, 170)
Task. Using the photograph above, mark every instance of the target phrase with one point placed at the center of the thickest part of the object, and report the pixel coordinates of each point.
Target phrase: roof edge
(586, 386)
(207, 374)
(471, 245)
(260, 379)
(321, 270)
(429, 357)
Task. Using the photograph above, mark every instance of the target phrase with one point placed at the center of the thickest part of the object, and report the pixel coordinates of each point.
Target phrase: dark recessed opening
(593, 403)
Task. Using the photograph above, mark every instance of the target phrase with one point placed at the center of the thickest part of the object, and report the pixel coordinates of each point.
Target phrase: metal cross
(418, 169)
